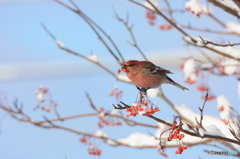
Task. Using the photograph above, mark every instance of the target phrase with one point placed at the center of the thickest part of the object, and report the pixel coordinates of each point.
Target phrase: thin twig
(208, 30)
(201, 110)
(156, 10)
(186, 131)
(214, 50)
(92, 27)
(205, 42)
(79, 55)
(129, 28)
(91, 103)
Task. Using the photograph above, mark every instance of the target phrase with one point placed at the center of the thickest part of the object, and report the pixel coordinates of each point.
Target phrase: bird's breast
(145, 81)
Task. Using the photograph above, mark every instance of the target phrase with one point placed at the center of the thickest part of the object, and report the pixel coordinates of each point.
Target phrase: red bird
(146, 75)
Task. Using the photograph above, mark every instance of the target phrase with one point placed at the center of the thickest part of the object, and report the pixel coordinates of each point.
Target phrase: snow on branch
(227, 5)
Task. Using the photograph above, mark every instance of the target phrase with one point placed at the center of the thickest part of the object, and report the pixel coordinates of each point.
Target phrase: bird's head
(128, 65)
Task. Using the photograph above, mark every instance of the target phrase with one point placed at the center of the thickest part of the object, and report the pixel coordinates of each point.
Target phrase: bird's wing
(156, 69)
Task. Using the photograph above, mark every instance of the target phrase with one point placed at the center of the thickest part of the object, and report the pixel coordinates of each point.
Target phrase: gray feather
(170, 81)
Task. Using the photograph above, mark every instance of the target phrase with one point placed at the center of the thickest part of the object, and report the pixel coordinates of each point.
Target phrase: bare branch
(205, 42)
(208, 30)
(162, 15)
(91, 103)
(79, 55)
(161, 95)
(201, 110)
(224, 7)
(92, 27)
(131, 33)
(214, 50)
(186, 131)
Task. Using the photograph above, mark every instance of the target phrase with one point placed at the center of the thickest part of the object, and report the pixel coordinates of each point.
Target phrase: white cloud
(35, 70)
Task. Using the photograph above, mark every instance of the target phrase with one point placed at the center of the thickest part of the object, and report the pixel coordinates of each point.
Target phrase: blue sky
(25, 46)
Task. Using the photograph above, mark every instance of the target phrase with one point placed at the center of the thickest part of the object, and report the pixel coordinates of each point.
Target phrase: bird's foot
(143, 90)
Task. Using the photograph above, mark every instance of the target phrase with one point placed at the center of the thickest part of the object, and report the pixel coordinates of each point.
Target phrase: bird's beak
(124, 68)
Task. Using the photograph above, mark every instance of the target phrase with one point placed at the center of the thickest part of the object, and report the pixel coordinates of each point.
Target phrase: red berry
(145, 102)
(169, 138)
(175, 136)
(226, 122)
(118, 71)
(156, 110)
(182, 135)
(221, 108)
(174, 123)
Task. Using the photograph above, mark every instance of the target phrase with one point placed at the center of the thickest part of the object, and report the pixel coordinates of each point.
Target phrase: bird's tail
(170, 81)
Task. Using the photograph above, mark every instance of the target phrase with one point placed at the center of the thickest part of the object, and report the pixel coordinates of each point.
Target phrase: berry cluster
(195, 7)
(92, 150)
(210, 97)
(202, 88)
(165, 27)
(110, 121)
(193, 12)
(189, 68)
(151, 17)
(226, 122)
(44, 97)
(175, 134)
(117, 94)
(142, 106)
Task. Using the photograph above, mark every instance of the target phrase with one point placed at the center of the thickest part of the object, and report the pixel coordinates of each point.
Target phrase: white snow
(194, 5)
(99, 133)
(153, 92)
(40, 97)
(222, 101)
(231, 66)
(101, 115)
(206, 9)
(144, 109)
(213, 130)
(233, 27)
(207, 65)
(208, 121)
(213, 126)
(110, 142)
(93, 57)
(229, 4)
(226, 50)
(154, 2)
(59, 43)
(114, 112)
(189, 70)
(139, 139)
(197, 8)
(123, 78)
